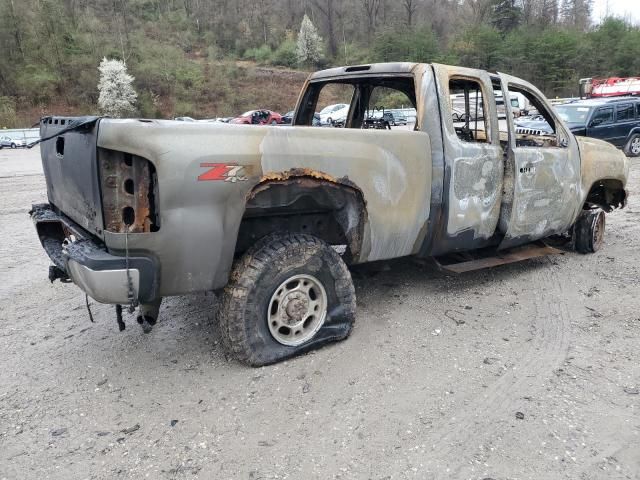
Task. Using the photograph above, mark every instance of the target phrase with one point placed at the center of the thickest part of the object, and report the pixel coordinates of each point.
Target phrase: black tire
(13, 145)
(273, 122)
(244, 306)
(632, 148)
(589, 230)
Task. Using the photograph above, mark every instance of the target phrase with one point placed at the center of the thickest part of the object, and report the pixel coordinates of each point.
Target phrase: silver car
(12, 142)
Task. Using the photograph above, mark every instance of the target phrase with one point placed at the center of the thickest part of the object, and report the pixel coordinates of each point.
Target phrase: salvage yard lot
(526, 371)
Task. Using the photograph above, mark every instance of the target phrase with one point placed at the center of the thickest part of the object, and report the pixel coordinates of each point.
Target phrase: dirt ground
(525, 371)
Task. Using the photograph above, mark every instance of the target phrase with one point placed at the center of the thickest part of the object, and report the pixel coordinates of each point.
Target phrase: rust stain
(299, 174)
(126, 193)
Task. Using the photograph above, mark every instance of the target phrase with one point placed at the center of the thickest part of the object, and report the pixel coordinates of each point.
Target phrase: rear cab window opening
(468, 106)
(372, 102)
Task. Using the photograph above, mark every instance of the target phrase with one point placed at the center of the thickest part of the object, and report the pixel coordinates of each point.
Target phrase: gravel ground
(525, 371)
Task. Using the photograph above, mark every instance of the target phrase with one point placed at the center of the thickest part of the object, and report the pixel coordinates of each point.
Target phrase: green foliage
(261, 55)
(285, 55)
(404, 45)
(479, 47)
(506, 15)
(38, 83)
(393, 99)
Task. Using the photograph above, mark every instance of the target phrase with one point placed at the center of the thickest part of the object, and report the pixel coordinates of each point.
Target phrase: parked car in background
(258, 117)
(287, 118)
(331, 113)
(533, 125)
(394, 118)
(185, 119)
(12, 142)
(615, 120)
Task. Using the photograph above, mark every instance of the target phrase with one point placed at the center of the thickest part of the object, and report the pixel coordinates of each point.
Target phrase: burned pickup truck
(271, 217)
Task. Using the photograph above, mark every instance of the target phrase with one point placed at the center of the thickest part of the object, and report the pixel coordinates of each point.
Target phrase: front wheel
(633, 146)
(13, 145)
(287, 295)
(589, 231)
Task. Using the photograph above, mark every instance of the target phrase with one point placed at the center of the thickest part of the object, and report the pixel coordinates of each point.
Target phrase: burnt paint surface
(473, 171)
(545, 199)
(599, 161)
(72, 185)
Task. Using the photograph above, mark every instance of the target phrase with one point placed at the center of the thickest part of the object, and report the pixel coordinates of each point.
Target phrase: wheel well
(607, 195)
(331, 211)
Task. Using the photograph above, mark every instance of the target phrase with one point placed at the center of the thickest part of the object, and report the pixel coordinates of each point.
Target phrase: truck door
(473, 172)
(542, 174)
(624, 123)
(601, 125)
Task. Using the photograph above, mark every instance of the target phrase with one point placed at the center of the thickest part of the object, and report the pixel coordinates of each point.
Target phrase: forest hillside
(206, 58)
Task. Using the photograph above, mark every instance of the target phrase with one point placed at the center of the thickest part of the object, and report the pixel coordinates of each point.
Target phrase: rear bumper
(103, 276)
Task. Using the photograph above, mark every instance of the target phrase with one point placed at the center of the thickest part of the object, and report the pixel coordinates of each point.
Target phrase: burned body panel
(392, 169)
(600, 165)
(395, 189)
(199, 218)
(473, 171)
(546, 180)
(73, 186)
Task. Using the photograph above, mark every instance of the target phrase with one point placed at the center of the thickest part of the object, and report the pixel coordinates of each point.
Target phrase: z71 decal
(222, 172)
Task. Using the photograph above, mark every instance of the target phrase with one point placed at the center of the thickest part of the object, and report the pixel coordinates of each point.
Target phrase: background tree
(117, 97)
(506, 15)
(309, 49)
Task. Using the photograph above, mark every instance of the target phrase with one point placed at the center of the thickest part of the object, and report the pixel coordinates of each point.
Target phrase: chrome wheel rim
(297, 310)
(635, 146)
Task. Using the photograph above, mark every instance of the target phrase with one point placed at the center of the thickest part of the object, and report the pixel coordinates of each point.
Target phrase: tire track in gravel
(483, 418)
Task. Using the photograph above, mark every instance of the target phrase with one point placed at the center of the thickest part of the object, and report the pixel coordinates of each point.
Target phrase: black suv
(615, 120)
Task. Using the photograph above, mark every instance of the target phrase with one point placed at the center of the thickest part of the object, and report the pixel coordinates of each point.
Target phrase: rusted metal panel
(517, 254)
(126, 183)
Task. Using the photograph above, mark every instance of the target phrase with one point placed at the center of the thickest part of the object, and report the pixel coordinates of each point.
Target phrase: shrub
(261, 55)
(285, 54)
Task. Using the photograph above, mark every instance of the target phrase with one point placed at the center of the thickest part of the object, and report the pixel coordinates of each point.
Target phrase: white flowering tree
(309, 48)
(117, 96)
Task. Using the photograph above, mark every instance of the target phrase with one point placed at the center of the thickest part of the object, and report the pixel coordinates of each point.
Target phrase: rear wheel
(287, 295)
(13, 145)
(589, 231)
(633, 146)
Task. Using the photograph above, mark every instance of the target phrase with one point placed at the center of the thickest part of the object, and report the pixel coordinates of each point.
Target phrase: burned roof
(373, 69)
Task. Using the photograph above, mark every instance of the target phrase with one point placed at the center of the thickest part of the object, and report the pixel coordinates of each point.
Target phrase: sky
(618, 8)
